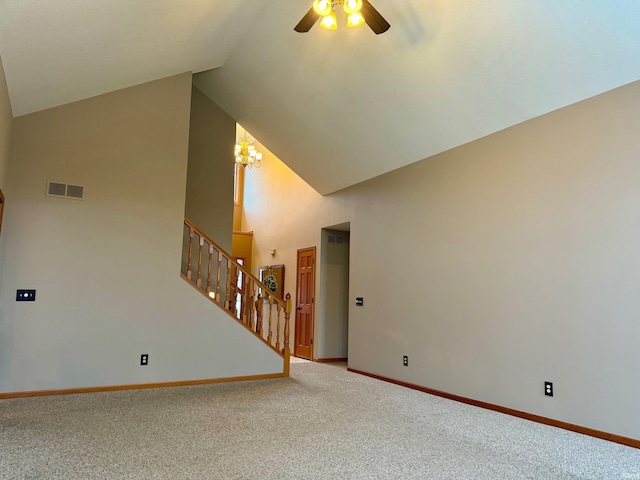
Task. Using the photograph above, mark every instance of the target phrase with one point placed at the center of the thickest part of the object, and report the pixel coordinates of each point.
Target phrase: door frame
(1, 209)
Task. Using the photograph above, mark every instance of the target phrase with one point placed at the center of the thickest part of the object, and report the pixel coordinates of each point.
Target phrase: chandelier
(330, 21)
(247, 155)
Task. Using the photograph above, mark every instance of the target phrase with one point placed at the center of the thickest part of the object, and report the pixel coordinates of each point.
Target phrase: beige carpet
(322, 423)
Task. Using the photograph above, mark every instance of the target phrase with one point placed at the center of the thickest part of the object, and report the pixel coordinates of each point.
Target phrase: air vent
(336, 239)
(75, 191)
(55, 189)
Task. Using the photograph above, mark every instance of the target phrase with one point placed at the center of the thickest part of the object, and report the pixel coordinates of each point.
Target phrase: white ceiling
(59, 51)
(338, 107)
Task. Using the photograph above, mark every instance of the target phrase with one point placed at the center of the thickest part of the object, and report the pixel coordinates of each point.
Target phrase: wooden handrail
(244, 302)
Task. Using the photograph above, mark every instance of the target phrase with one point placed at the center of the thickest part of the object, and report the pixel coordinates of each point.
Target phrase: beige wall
(237, 217)
(237, 206)
(6, 119)
(242, 246)
(209, 202)
(106, 269)
(496, 266)
(287, 213)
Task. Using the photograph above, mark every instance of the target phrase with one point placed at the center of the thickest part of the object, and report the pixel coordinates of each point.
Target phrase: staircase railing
(217, 275)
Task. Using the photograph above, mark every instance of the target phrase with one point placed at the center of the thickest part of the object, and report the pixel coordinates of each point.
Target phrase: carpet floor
(322, 423)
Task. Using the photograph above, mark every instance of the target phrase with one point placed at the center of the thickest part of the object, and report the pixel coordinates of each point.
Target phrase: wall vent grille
(63, 190)
(336, 239)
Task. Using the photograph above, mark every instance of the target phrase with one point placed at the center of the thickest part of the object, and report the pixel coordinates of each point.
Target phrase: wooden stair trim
(282, 305)
(233, 260)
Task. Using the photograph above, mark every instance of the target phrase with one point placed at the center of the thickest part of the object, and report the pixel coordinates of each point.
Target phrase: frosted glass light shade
(330, 22)
(352, 6)
(355, 20)
(322, 7)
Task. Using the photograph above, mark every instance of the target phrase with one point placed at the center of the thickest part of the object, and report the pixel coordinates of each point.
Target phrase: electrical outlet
(144, 359)
(548, 389)
(405, 361)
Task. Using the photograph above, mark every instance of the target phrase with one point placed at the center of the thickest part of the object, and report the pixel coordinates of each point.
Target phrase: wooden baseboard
(112, 388)
(331, 360)
(630, 442)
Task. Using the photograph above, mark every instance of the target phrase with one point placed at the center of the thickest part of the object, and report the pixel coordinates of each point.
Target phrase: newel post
(286, 351)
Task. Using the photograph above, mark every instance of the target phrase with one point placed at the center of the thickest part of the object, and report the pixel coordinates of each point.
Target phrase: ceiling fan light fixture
(323, 7)
(355, 20)
(330, 22)
(352, 6)
(357, 11)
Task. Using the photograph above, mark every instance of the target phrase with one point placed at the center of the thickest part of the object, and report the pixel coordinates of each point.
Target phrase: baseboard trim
(331, 360)
(141, 386)
(611, 437)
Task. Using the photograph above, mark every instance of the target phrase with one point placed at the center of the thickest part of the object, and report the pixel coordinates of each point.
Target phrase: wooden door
(305, 298)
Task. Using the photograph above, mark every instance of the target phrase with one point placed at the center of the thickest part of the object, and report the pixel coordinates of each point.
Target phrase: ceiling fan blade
(373, 18)
(309, 19)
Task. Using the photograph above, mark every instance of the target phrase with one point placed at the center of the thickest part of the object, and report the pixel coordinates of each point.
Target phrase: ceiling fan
(358, 12)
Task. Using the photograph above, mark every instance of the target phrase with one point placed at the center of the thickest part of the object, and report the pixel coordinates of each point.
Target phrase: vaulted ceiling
(341, 106)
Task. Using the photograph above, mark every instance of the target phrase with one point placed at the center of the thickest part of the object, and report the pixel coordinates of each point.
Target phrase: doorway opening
(332, 330)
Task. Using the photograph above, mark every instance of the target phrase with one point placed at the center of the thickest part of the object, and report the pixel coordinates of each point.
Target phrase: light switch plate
(26, 296)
